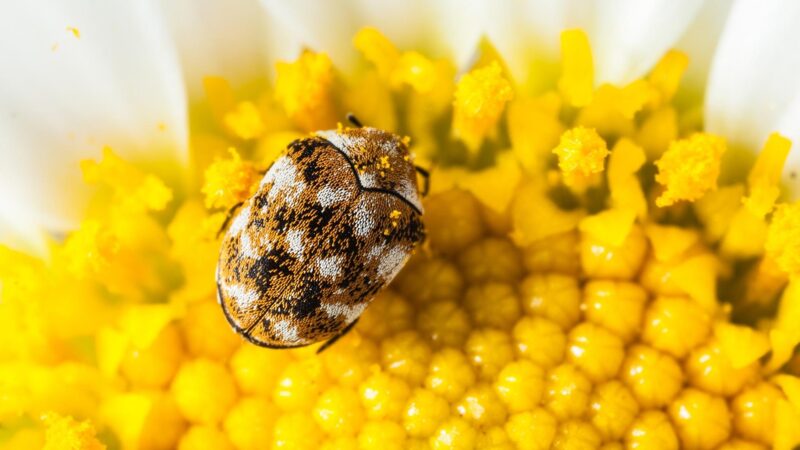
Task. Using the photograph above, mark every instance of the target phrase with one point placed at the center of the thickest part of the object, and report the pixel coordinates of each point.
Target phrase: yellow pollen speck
(689, 168)
(577, 68)
(480, 99)
(581, 153)
(64, 432)
(75, 32)
(303, 88)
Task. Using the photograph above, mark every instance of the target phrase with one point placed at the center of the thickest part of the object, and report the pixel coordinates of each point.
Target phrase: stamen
(577, 68)
(581, 153)
(480, 98)
(303, 88)
(689, 168)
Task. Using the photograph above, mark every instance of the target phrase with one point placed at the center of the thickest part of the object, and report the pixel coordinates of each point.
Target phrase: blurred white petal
(753, 85)
(224, 38)
(700, 41)
(63, 97)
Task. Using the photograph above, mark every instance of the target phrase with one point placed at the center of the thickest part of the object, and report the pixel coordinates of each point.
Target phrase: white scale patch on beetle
(328, 196)
(364, 220)
(285, 182)
(243, 296)
(392, 262)
(240, 222)
(296, 240)
(246, 248)
(349, 312)
(287, 331)
(330, 267)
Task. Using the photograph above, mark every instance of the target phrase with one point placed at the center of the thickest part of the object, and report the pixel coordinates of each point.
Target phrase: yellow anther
(64, 432)
(303, 88)
(689, 168)
(245, 121)
(765, 176)
(666, 75)
(783, 238)
(480, 99)
(577, 68)
(229, 181)
(581, 153)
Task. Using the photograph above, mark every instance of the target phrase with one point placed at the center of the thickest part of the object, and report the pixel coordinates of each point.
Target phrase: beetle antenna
(352, 118)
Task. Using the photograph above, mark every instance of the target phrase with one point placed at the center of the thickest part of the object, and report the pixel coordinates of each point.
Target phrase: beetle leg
(427, 176)
(228, 217)
(333, 340)
(352, 118)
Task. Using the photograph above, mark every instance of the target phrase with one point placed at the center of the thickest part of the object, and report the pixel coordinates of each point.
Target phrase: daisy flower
(613, 243)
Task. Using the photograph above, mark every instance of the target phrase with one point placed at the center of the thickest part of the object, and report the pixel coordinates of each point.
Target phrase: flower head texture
(613, 227)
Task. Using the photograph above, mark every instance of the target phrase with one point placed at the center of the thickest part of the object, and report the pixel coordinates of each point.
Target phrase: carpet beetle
(333, 221)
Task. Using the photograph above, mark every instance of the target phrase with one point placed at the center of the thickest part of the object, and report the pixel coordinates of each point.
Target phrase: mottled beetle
(332, 222)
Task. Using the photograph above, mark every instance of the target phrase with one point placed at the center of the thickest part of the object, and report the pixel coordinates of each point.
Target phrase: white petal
(325, 26)
(700, 41)
(62, 98)
(224, 38)
(754, 87)
(629, 36)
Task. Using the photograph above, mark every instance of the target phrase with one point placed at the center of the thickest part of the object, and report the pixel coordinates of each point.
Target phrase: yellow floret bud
(489, 350)
(304, 89)
(595, 350)
(601, 259)
(520, 385)
(532, 430)
(207, 333)
(576, 435)
(383, 396)
(444, 323)
(406, 355)
(494, 438)
(617, 306)
(257, 369)
(567, 392)
(229, 181)
(491, 259)
(245, 121)
(783, 238)
(481, 406)
(64, 432)
(296, 432)
(424, 413)
(450, 375)
(612, 409)
(540, 340)
(675, 325)
(455, 434)
(388, 313)
(701, 420)
(352, 359)
(203, 391)
(652, 429)
(787, 434)
(492, 304)
(689, 168)
(338, 411)
(249, 423)
(581, 153)
(709, 368)
(577, 68)
(742, 345)
(654, 377)
(754, 412)
(204, 437)
(765, 176)
(425, 280)
(154, 366)
(382, 435)
(340, 443)
(299, 385)
(738, 444)
(453, 220)
(558, 253)
(552, 296)
(480, 98)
